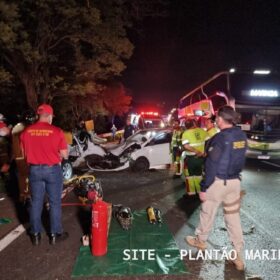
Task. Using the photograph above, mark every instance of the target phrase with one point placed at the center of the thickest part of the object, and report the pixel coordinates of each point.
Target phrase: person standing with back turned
(221, 184)
(193, 140)
(44, 147)
(128, 129)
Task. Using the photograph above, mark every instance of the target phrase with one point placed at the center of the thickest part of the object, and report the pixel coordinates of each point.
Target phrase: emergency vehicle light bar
(150, 113)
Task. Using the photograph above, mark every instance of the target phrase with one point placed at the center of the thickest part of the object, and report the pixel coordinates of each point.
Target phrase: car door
(158, 149)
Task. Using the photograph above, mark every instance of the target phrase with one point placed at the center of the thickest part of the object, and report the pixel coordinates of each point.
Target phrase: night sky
(198, 39)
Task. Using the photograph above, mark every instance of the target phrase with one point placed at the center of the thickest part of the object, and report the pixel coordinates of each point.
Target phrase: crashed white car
(145, 149)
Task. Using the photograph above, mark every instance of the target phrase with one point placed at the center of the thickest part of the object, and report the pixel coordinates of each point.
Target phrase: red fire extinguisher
(99, 228)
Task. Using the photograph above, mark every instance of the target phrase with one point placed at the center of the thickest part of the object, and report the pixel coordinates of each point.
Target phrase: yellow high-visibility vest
(176, 138)
(212, 131)
(195, 137)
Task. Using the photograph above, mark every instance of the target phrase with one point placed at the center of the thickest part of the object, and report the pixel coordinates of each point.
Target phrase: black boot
(35, 239)
(58, 237)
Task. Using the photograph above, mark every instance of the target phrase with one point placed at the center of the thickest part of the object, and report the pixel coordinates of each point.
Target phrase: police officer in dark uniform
(221, 183)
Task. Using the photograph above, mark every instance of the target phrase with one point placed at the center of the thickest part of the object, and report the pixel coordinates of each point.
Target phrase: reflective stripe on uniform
(190, 153)
(183, 154)
(196, 144)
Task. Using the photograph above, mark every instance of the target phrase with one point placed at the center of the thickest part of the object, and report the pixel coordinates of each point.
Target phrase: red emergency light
(149, 113)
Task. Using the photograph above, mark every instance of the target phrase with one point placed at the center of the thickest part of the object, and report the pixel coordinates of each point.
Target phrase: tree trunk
(44, 96)
(31, 95)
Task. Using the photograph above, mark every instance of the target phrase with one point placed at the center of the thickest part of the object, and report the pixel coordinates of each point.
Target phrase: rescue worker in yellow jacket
(176, 147)
(212, 130)
(193, 141)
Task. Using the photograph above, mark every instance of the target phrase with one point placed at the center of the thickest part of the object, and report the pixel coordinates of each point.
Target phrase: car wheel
(67, 169)
(141, 164)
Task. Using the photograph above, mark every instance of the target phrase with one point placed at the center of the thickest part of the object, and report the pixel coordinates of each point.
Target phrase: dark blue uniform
(128, 131)
(225, 156)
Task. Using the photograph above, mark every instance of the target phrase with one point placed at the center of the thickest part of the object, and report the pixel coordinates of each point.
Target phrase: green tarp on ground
(164, 258)
(4, 221)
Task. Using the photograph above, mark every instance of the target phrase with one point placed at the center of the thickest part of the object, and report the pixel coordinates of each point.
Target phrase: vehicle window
(152, 123)
(261, 120)
(162, 138)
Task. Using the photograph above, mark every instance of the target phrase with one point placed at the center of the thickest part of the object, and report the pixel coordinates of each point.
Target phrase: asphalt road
(260, 220)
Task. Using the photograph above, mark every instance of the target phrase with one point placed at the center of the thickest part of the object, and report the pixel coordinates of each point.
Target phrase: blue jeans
(45, 179)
